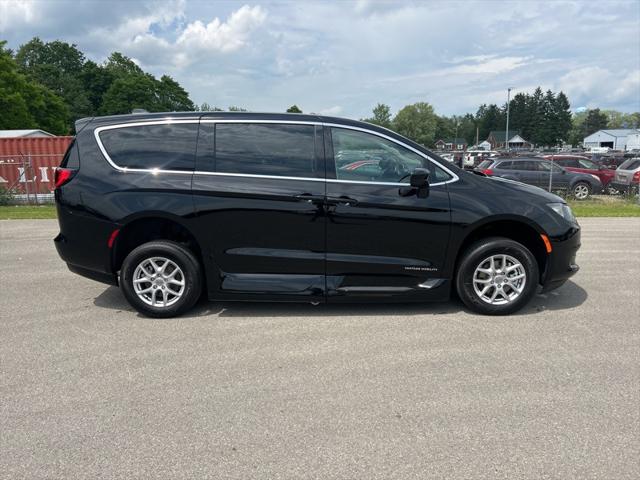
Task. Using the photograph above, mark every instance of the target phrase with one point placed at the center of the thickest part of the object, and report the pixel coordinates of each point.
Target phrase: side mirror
(419, 181)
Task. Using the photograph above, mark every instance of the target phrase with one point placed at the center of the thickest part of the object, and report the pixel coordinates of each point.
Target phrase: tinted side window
(520, 165)
(505, 166)
(266, 149)
(165, 147)
(568, 162)
(547, 166)
(361, 156)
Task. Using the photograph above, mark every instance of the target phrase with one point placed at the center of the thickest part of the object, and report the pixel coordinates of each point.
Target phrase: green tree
(58, 66)
(129, 92)
(294, 109)
(25, 103)
(445, 128)
(585, 123)
(490, 117)
(562, 112)
(547, 130)
(96, 80)
(596, 120)
(381, 116)
(205, 107)
(120, 65)
(172, 97)
(417, 122)
(518, 113)
(622, 120)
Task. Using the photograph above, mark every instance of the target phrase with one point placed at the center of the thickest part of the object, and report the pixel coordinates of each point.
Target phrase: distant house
(24, 133)
(451, 144)
(616, 139)
(497, 140)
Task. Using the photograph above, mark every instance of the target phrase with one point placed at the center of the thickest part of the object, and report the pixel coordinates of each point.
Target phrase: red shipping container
(27, 164)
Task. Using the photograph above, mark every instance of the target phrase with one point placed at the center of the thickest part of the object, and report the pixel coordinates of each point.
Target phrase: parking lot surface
(90, 389)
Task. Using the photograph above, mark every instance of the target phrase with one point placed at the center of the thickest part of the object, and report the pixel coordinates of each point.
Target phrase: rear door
(525, 171)
(379, 242)
(552, 174)
(259, 192)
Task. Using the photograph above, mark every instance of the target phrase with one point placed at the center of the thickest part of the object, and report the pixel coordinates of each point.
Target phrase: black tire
(180, 256)
(475, 256)
(578, 189)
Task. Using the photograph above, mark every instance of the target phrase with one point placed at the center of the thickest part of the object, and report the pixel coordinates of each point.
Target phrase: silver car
(627, 176)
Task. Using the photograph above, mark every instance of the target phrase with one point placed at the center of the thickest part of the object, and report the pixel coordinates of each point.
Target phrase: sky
(343, 57)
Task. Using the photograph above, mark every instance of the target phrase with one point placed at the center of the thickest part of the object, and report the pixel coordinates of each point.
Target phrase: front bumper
(561, 263)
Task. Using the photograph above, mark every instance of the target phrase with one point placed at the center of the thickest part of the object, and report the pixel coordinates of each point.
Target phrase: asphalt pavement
(90, 389)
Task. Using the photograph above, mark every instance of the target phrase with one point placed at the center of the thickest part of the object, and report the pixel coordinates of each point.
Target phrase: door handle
(343, 200)
(307, 197)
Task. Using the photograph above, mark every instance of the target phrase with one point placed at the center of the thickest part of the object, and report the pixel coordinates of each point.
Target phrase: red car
(578, 163)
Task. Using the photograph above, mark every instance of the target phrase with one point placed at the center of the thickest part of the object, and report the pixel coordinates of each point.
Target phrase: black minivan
(291, 207)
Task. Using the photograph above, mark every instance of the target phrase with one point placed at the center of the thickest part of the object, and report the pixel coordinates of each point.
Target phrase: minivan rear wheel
(161, 279)
(497, 276)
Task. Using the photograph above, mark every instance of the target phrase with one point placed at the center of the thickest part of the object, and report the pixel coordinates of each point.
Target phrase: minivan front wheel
(161, 279)
(497, 276)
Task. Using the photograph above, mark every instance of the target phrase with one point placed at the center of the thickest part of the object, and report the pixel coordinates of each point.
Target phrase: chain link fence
(28, 178)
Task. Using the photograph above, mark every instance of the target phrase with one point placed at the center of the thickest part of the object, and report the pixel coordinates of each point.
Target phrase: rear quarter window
(485, 164)
(630, 164)
(148, 147)
(504, 166)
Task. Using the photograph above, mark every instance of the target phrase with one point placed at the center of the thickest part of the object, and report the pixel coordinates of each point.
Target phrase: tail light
(63, 175)
(636, 176)
(487, 171)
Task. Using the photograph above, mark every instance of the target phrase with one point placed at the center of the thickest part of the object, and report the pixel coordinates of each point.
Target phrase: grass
(600, 206)
(21, 212)
(606, 206)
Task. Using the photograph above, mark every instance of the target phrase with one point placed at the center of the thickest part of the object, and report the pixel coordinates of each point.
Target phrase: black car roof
(294, 117)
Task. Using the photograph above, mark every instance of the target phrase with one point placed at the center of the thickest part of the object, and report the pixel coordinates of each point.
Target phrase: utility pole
(506, 134)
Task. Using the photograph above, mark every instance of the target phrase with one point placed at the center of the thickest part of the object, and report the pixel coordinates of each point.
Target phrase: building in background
(451, 144)
(497, 140)
(616, 139)
(30, 133)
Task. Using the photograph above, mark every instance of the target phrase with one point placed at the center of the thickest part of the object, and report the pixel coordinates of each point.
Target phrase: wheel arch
(519, 229)
(140, 229)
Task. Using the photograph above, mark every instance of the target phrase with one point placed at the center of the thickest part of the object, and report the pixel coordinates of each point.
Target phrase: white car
(474, 157)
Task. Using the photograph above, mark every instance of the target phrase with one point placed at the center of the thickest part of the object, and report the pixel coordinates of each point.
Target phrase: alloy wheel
(581, 191)
(158, 282)
(499, 279)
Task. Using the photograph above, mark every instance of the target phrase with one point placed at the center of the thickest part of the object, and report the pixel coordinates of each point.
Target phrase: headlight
(563, 210)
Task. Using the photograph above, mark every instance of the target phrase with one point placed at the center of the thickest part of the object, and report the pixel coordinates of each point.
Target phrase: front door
(380, 241)
(259, 197)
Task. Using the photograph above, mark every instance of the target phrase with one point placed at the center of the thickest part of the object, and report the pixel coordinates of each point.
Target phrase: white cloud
(326, 56)
(221, 36)
(491, 65)
(335, 110)
(590, 85)
(16, 13)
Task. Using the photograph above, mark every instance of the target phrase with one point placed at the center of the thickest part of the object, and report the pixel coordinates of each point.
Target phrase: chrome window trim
(169, 121)
(141, 123)
(453, 178)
